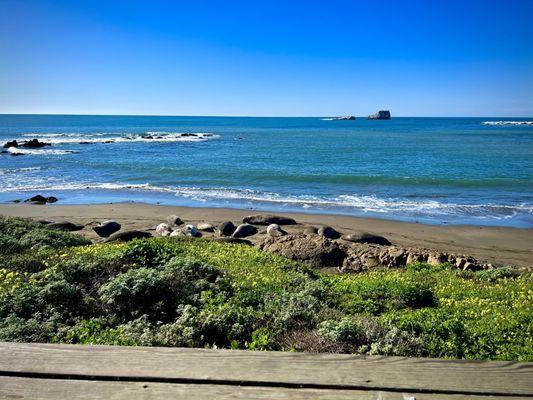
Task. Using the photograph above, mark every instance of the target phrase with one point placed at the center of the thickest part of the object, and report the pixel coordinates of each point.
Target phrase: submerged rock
(267, 219)
(107, 228)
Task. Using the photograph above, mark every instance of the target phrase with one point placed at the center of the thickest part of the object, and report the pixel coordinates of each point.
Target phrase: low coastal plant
(18, 234)
(200, 293)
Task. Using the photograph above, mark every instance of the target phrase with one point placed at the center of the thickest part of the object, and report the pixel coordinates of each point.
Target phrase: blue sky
(273, 58)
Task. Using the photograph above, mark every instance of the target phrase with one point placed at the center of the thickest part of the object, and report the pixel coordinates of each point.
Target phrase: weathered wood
(39, 389)
(315, 371)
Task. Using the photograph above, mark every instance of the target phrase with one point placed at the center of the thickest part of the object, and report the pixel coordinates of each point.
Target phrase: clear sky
(295, 58)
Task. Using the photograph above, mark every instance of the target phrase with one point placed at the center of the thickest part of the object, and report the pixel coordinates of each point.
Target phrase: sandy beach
(497, 245)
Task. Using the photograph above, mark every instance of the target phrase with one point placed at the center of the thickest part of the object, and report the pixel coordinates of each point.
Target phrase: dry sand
(497, 245)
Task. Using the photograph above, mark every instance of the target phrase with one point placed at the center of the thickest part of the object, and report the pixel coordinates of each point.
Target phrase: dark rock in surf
(34, 144)
(12, 143)
(267, 219)
(107, 228)
(38, 199)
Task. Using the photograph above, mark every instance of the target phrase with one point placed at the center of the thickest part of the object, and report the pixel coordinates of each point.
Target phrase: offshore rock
(382, 114)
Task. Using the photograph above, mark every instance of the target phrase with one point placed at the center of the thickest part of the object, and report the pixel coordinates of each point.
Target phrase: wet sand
(497, 245)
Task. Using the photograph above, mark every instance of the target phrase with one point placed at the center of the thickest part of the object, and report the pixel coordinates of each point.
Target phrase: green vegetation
(193, 292)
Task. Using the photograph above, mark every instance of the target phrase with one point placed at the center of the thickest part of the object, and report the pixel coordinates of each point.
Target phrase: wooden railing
(46, 371)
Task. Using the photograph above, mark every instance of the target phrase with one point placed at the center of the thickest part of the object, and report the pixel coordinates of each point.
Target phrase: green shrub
(17, 234)
(195, 292)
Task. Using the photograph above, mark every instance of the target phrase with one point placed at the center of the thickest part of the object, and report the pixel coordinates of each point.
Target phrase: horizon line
(253, 116)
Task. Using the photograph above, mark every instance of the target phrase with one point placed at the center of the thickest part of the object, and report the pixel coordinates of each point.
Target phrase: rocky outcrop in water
(12, 143)
(40, 199)
(382, 114)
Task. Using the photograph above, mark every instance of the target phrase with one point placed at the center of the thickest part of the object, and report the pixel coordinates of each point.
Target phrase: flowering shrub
(201, 293)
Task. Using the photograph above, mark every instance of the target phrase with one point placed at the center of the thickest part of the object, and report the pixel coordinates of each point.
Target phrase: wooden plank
(46, 389)
(267, 368)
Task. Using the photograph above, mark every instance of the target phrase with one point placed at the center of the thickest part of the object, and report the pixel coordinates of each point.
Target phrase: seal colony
(343, 244)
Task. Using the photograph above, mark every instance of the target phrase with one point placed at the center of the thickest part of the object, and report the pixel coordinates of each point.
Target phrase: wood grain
(39, 389)
(314, 371)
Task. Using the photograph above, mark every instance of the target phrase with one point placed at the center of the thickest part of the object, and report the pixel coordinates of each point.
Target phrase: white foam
(497, 123)
(22, 150)
(359, 203)
(148, 137)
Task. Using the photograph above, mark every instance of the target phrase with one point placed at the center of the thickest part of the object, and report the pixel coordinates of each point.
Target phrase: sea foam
(497, 123)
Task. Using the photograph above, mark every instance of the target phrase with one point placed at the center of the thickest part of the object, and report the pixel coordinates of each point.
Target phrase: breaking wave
(498, 123)
(361, 204)
(102, 137)
(47, 151)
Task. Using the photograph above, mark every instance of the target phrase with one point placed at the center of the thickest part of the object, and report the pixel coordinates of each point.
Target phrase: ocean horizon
(433, 170)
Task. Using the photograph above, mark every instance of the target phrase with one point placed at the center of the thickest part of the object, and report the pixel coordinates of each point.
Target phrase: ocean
(429, 170)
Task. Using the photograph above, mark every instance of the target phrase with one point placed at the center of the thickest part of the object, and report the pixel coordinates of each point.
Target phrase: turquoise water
(431, 170)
